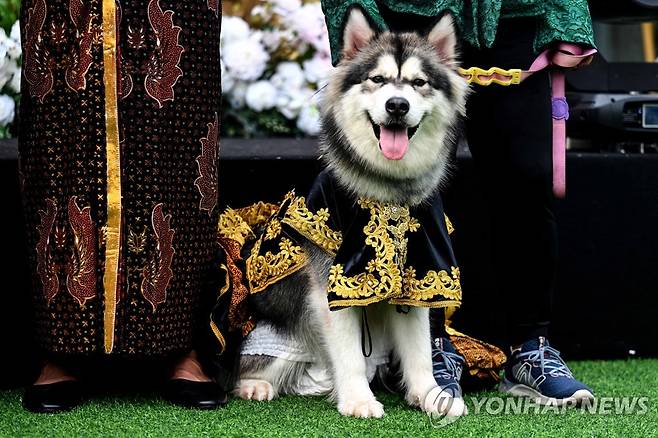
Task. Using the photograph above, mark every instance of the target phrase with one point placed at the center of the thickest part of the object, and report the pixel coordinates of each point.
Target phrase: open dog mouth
(393, 139)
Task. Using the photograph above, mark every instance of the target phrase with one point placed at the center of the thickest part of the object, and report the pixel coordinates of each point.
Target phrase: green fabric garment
(478, 20)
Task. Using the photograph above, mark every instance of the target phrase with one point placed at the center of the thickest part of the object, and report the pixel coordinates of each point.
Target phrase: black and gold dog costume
(381, 252)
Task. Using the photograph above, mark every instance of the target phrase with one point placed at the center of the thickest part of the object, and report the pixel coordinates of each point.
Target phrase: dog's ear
(444, 38)
(357, 34)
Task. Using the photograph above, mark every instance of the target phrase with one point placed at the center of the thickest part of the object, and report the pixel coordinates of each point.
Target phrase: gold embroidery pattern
(433, 284)
(257, 214)
(313, 226)
(449, 225)
(233, 226)
(267, 269)
(445, 304)
(383, 276)
(273, 229)
(238, 224)
(227, 280)
(218, 335)
(59, 235)
(136, 241)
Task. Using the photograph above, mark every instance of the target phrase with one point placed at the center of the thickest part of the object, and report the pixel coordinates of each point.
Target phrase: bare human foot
(189, 368)
(51, 373)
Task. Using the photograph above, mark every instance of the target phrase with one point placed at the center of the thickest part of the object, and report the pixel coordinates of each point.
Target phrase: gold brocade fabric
(482, 360)
(237, 228)
(386, 276)
(277, 253)
(313, 226)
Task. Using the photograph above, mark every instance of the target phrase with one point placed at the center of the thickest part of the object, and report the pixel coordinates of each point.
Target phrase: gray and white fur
(419, 75)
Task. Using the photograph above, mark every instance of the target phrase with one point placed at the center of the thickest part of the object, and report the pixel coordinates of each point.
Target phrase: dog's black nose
(397, 106)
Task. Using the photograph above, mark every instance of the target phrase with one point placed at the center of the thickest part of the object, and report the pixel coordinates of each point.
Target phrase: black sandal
(53, 397)
(195, 395)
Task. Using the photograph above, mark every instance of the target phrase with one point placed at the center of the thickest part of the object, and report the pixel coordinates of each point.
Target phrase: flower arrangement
(274, 62)
(274, 59)
(10, 64)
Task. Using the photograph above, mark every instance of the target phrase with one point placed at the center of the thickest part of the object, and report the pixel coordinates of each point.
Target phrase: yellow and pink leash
(559, 57)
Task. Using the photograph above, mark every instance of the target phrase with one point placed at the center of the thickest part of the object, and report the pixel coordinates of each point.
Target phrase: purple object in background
(560, 108)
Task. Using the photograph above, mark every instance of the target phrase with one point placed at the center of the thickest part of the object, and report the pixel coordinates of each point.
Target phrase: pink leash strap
(561, 56)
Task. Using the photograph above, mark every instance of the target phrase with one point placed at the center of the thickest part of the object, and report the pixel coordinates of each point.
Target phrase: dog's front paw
(251, 389)
(370, 408)
(441, 402)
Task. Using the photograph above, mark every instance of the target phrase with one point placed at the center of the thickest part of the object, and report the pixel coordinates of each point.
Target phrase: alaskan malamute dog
(390, 118)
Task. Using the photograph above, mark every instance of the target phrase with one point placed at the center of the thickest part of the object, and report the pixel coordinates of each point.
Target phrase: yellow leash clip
(494, 75)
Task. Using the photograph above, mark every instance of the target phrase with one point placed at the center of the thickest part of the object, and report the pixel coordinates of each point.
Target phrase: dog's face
(395, 97)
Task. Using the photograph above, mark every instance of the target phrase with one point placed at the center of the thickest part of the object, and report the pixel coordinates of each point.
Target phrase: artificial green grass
(137, 416)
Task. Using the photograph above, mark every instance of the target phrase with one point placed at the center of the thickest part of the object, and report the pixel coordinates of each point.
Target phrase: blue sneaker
(537, 371)
(447, 366)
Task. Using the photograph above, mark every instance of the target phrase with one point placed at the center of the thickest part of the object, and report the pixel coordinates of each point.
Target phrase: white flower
(246, 57)
(13, 49)
(261, 96)
(12, 46)
(272, 39)
(15, 81)
(233, 29)
(228, 81)
(317, 69)
(6, 70)
(245, 60)
(261, 12)
(288, 75)
(7, 107)
(308, 22)
(237, 96)
(16, 32)
(322, 46)
(309, 120)
(4, 60)
(285, 7)
(291, 101)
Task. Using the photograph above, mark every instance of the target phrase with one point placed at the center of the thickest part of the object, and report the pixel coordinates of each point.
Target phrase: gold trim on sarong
(113, 226)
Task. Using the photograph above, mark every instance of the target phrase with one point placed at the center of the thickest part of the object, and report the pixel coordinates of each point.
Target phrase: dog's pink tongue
(394, 142)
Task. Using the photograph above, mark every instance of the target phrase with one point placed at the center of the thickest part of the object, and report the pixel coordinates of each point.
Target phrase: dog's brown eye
(377, 79)
(419, 82)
